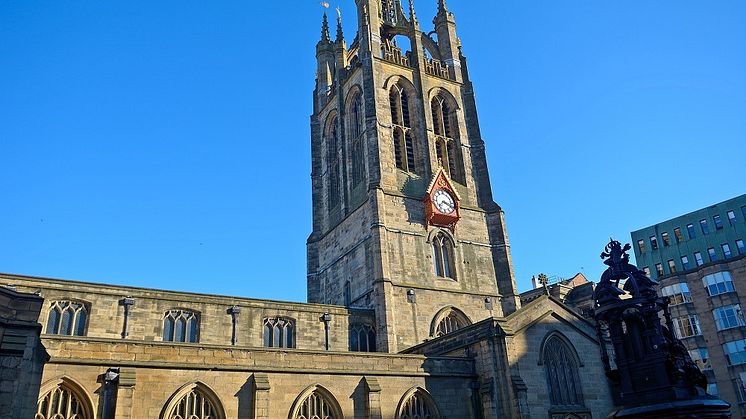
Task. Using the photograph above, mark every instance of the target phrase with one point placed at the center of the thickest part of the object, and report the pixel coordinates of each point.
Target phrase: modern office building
(700, 261)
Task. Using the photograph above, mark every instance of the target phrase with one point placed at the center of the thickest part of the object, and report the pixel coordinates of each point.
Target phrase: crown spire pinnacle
(442, 7)
(340, 33)
(325, 36)
(412, 14)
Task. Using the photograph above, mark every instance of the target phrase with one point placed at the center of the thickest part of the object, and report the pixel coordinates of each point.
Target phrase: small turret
(448, 42)
(325, 36)
(325, 62)
(340, 45)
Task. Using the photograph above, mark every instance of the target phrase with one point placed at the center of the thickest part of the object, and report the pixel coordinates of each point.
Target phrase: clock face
(444, 201)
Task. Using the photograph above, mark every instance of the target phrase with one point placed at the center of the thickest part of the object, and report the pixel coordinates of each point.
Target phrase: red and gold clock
(441, 202)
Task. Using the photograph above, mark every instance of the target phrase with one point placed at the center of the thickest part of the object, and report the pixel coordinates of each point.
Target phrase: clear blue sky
(166, 143)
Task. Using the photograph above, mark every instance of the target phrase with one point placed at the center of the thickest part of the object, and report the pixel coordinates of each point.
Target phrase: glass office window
(653, 243)
(659, 269)
(718, 283)
(686, 326)
(705, 227)
(666, 239)
(735, 351)
(743, 211)
(679, 236)
(731, 217)
(741, 247)
(728, 317)
(718, 222)
(726, 250)
(690, 230)
(712, 254)
(685, 263)
(672, 266)
(677, 293)
(641, 246)
(647, 271)
(702, 358)
(698, 259)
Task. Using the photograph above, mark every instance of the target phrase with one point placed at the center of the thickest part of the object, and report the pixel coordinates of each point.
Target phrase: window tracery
(356, 138)
(418, 405)
(443, 256)
(332, 163)
(446, 137)
(67, 318)
(181, 326)
(318, 404)
(279, 332)
(62, 402)
(404, 152)
(362, 338)
(450, 323)
(194, 405)
(562, 376)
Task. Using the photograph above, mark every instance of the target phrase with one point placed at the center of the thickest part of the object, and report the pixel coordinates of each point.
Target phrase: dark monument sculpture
(650, 369)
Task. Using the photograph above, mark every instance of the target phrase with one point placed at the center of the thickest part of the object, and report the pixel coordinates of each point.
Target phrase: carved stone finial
(412, 14)
(325, 35)
(340, 33)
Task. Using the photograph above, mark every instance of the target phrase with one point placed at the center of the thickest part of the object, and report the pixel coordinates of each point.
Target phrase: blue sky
(166, 144)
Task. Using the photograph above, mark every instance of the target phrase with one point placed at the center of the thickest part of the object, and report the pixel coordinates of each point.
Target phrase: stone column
(22, 355)
(374, 398)
(126, 394)
(261, 396)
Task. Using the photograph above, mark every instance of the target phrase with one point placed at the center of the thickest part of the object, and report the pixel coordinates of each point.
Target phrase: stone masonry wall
(22, 355)
(162, 369)
(106, 315)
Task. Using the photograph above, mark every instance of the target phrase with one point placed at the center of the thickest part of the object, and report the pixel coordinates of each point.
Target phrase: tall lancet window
(332, 163)
(561, 370)
(404, 152)
(356, 130)
(443, 256)
(445, 126)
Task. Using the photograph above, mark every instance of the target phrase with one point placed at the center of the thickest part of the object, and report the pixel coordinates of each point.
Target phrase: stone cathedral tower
(404, 221)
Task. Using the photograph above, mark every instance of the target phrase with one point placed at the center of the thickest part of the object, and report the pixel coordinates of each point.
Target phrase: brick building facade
(412, 306)
(700, 261)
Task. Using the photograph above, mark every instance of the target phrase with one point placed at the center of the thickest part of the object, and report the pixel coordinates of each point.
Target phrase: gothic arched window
(449, 321)
(332, 163)
(194, 405)
(279, 332)
(404, 152)
(316, 403)
(181, 326)
(194, 401)
(356, 130)
(443, 256)
(417, 404)
(64, 401)
(561, 370)
(362, 338)
(67, 318)
(446, 137)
